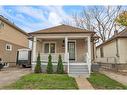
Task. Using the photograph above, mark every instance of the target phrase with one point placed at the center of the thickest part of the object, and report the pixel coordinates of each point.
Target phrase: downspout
(117, 49)
(117, 53)
(93, 51)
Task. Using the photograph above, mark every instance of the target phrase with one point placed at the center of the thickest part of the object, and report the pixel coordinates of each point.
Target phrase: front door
(71, 50)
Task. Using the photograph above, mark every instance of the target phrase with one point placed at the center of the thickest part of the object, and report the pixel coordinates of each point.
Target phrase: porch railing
(55, 56)
(65, 59)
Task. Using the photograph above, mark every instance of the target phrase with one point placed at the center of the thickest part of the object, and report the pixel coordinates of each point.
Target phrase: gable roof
(62, 29)
(12, 25)
(122, 34)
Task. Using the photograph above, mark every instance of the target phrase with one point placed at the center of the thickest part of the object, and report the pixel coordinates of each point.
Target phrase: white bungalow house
(75, 45)
(112, 54)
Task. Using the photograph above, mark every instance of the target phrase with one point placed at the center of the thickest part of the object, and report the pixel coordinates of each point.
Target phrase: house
(12, 38)
(113, 52)
(75, 45)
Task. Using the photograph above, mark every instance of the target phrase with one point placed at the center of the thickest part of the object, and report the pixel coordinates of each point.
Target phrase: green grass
(101, 81)
(44, 81)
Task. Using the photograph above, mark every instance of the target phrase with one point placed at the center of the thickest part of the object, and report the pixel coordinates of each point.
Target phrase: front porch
(75, 52)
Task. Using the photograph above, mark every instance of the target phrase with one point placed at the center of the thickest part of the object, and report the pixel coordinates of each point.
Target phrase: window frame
(101, 52)
(10, 45)
(49, 42)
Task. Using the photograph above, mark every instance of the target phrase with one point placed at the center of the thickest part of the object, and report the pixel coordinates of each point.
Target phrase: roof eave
(62, 32)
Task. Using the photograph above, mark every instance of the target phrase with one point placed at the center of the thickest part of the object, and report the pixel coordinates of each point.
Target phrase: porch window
(49, 48)
(52, 48)
(46, 48)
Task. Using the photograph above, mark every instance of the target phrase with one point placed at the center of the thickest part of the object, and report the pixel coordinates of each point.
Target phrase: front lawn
(44, 81)
(101, 81)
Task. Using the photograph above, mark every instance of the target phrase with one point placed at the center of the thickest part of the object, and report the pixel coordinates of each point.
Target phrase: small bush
(60, 69)
(38, 65)
(49, 66)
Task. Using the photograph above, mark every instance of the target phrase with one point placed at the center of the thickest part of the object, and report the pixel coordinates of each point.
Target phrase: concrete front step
(78, 75)
(78, 70)
(78, 67)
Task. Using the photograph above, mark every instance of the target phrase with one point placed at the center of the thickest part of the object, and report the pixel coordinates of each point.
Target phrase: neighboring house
(12, 38)
(75, 45)
(113, 52)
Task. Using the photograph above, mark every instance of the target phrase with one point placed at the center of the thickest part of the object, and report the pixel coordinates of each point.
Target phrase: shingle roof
(13, 25)
(62, 29)
(122, 34)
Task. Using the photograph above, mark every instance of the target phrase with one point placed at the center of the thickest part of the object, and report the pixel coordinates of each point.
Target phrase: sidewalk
(118, 77)
(83, 83)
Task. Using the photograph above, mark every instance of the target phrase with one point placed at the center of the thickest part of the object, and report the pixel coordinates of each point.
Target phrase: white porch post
(34, 52)
(89, 54)
(66, 45)
(66, 53)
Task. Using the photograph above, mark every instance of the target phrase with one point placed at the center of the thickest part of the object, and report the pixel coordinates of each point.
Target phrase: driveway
(10, 75)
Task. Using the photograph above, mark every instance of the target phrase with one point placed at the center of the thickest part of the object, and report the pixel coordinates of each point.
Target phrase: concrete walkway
(118, 77)
(10, 75)
(83, 83)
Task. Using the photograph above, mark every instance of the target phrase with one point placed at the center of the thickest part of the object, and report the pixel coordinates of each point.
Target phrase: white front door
(71, 50)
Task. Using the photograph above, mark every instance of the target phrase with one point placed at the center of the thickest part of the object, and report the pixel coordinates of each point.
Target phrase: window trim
(101, 52)
(49, 42)
(10, 45)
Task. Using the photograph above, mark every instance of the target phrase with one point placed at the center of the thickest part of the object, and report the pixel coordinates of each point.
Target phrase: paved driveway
(10, 75)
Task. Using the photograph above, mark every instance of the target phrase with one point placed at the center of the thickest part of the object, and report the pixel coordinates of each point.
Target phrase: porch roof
(62, 29)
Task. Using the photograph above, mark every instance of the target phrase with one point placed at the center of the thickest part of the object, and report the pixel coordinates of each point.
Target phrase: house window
(8, 47)
(46, 50)
(101, 52)
(49, 48)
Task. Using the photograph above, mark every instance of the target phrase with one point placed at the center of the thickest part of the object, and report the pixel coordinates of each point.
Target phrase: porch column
(66, 45)
(34, 52)
(66, 53)
(89, 54)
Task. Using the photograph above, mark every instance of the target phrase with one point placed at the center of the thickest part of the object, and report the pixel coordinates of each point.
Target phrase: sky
(33, 18)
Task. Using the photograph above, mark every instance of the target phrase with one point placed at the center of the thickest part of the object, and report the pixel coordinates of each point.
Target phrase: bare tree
(100, 19)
